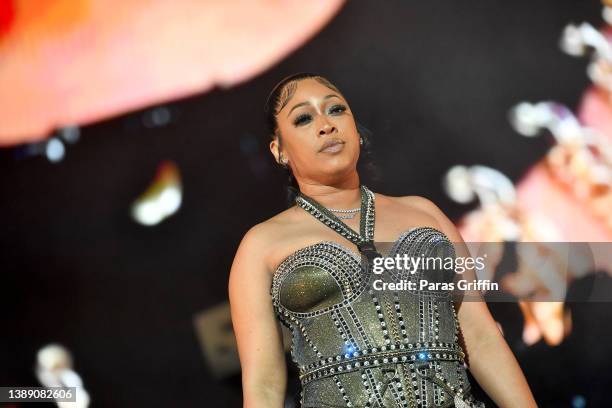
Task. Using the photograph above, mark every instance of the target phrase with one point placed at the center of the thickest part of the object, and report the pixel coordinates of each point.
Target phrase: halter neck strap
(366, 221)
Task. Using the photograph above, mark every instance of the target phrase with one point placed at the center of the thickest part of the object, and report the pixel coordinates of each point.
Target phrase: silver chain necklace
(347, 214)
(366, 224)
(364, 239)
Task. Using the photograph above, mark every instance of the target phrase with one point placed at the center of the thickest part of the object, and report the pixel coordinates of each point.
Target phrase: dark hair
(279, 97)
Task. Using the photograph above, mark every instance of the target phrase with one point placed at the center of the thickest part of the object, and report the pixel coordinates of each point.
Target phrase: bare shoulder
(431, 210)
(411, 202)
(420, 202)
(417, 210)
(261, 239)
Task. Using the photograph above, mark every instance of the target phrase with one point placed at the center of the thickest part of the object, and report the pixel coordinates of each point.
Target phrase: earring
(360, 140)
(283, 161)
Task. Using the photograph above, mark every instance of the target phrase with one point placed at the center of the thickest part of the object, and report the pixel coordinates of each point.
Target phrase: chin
(337, 164)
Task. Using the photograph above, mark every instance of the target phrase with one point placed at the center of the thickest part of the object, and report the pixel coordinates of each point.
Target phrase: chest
(327, 274)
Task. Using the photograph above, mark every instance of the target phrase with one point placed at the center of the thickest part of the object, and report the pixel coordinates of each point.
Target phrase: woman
(354, 346)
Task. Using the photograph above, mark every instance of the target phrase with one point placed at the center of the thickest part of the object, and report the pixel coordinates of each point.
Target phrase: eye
(303, 118)
(337, 109)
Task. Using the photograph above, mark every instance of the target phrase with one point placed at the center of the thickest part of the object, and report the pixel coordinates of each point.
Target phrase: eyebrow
(306, 103)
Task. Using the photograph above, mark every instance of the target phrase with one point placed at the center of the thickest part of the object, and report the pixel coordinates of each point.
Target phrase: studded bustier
(356, 346)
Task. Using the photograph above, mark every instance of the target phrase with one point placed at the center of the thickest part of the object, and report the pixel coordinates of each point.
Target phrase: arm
(258, 333)
(491, 361)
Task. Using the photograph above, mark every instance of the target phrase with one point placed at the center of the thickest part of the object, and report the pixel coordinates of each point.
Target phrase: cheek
(347, 126)
(300, 143)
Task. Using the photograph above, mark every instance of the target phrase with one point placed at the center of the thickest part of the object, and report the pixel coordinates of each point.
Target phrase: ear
(274, 148)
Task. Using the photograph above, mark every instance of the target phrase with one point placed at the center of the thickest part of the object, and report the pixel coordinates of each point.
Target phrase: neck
(345, 195)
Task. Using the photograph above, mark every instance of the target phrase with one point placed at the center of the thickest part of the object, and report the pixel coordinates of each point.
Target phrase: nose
(326, 129)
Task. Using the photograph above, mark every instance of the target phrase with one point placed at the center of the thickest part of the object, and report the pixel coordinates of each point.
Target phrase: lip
(332, 146)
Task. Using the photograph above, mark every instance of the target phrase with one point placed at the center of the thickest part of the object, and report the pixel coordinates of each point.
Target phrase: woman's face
(319, 137)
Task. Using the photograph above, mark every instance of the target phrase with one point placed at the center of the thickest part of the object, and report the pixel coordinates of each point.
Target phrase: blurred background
(134, 156)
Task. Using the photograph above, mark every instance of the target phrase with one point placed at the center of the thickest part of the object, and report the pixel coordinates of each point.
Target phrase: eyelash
(300, 119)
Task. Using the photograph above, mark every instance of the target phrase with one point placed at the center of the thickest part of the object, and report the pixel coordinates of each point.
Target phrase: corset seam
(371, 359)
